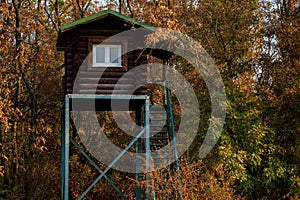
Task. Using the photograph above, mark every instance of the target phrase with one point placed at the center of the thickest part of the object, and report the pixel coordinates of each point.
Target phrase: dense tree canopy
(256, 46)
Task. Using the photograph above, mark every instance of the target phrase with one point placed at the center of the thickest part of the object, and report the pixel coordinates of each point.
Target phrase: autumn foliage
(255, 45)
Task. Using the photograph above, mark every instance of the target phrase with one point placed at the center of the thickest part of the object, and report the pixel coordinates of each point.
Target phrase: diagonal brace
(111, 164)
(98, 169)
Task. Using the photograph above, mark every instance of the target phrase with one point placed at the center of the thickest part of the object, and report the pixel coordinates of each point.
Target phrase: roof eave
(101, 15)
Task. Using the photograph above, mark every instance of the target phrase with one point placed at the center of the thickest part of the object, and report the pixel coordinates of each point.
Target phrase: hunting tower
(101, 67)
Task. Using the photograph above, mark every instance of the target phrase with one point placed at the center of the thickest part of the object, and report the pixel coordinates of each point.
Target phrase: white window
(107, 55)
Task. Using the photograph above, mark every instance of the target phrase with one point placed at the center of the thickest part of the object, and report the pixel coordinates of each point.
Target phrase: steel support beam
(139, 162)
(65, 151)
(147, 145)
(112, 163)
(98, 169)
(65, 140)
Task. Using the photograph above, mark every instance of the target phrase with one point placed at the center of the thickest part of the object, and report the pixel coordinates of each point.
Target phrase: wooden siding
(77, 42)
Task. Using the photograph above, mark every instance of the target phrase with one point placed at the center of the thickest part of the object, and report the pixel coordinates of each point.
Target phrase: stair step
(158, 109)
(158, 119)
(157, 145)
(160, 158)
(158, 138)
(157, 125)
(162, 135)
(158, 131)
(158, 112)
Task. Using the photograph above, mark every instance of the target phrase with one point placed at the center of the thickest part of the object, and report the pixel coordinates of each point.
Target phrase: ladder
(162, 128)
(159, 129)
(162, 131)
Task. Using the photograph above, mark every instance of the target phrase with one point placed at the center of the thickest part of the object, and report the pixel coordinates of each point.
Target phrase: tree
(255, 45)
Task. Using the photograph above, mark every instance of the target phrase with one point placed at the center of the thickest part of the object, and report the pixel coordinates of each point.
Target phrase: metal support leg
(139, 159)
(147, 145)
(62, 176)
(65, 146)
(173, 135)
(63, 124)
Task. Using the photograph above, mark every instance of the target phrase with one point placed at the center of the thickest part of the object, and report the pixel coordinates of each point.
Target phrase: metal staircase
(158, 127)
(160, 134)
(162, 131)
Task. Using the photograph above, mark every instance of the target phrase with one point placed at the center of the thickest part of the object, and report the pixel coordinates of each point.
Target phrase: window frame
(120, 42)
(107, 62)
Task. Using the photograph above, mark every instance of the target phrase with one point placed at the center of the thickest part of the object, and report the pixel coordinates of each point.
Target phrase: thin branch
(129, 8)
(87, 6)
(120, 6)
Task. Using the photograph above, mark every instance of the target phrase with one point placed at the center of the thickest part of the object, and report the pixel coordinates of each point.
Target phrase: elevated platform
(156, 133)
(89, 102)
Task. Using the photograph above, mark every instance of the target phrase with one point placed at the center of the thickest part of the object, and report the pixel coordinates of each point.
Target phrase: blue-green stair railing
(172, 125)
(171, 137)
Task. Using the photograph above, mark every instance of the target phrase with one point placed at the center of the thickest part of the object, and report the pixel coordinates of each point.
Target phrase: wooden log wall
(76, 52)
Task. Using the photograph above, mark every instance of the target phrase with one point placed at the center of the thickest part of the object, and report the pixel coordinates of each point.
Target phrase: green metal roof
(101, 14)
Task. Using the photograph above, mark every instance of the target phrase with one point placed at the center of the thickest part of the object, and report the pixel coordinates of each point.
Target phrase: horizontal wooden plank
(141, 87)
(98, 91)
(139, 83)
(107, 86)
(69, 63)
(69, 72)
(69, 55)
(130, 65)
(130, 56)
(82, 49)
(106, 80)
(69, 81)
(83, 55)
(109, 74)
(141, 77)
(69, 85)
(82, 43)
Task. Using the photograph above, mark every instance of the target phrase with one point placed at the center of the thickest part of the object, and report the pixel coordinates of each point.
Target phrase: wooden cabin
(79, 38)
(95, 65)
